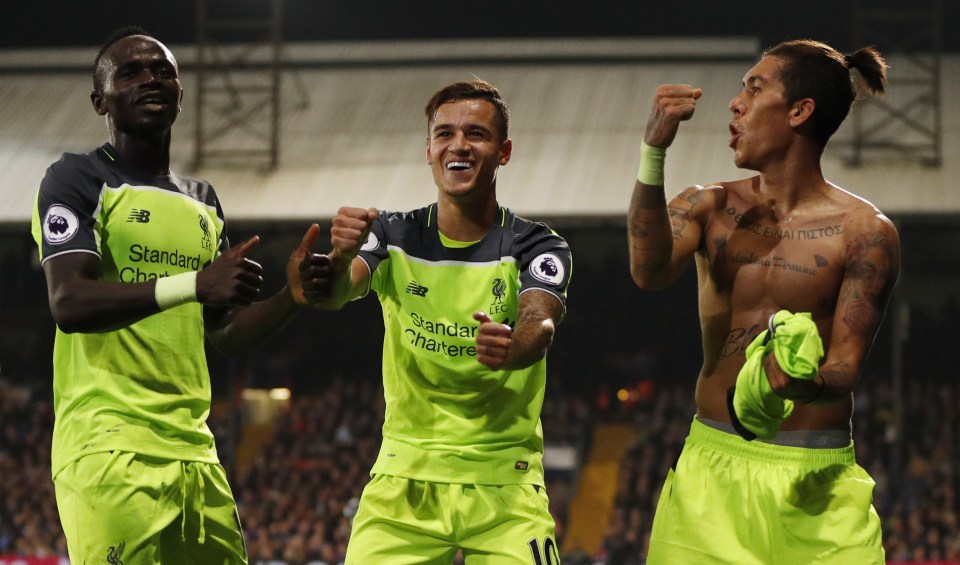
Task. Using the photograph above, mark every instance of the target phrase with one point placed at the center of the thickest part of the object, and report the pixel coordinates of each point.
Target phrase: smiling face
(761, 127)
(141, 86)
(465, 148)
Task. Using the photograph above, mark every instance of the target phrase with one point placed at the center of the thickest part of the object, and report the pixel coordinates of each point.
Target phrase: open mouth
(735, 135)
(155, 100)
(459, 166)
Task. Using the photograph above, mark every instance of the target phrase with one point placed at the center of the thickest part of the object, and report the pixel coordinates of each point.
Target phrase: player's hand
(349, 232)
(785, 386)
(294, 265)
(317, 276)
(672, 104)
(232, 278)
(493, 341)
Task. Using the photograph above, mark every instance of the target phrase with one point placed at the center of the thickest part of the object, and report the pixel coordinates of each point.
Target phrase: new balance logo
(139, 216)
(414, 288)
(115, 553)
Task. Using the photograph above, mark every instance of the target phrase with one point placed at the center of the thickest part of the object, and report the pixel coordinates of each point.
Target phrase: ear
(428, 151)
(801, 111)
(97, 100)
(180, 102)
(506, 149)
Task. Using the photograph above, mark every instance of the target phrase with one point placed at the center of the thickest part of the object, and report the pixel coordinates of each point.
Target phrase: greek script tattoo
(745, 222)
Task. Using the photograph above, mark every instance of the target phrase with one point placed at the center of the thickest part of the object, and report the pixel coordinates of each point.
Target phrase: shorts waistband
(816, 439)
(705, 433)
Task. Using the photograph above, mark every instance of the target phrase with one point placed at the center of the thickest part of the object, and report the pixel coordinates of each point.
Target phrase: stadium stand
(297, 497)
(298, 492)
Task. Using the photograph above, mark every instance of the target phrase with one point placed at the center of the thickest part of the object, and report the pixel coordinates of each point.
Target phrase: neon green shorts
(119, 507)
(730, 501)
(408, 522)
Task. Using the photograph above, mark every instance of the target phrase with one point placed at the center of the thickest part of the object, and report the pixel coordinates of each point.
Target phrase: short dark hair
(126, 31)
(476, 89)
(812, 69)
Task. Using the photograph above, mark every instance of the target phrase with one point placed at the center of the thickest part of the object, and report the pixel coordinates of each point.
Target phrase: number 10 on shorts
(549, 550)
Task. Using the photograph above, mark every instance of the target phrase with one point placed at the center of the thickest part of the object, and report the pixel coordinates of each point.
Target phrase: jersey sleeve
(223, 242)
(374, 251)
(67, 205)
(545, 261)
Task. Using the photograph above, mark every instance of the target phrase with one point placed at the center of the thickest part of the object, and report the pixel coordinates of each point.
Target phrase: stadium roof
(353, 128)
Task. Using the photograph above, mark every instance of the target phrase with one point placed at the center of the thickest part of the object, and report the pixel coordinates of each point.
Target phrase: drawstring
(184, 469)
(203, 505)
(183, 501)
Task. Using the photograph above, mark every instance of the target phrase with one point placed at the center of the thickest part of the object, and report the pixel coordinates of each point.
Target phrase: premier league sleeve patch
(372, 242)
(547, 268)
(60, 224)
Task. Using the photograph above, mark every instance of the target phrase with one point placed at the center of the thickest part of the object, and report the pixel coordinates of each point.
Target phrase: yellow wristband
(176, 290)
(651, 164)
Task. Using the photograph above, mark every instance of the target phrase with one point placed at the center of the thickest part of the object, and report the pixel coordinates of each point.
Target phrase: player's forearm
(341, 292)
(834, 383)
(91, 306)
(348, 283)
(529, 343)
(81, 302)
(649, 235)
(243, 328)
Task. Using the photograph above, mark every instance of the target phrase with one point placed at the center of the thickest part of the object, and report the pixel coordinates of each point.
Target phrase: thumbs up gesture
(232, 278)
(493, 341)
(301, 255)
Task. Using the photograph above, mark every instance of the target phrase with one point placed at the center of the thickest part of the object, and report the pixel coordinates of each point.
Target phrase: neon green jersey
(143, 388)
(449, 418)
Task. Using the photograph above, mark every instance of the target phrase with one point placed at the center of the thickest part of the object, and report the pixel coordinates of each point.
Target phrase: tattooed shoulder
(683, 207)
(872, 265)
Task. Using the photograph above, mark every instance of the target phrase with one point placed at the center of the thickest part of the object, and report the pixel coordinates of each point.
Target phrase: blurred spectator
(298, 496)
(917, 500)
(29, 525)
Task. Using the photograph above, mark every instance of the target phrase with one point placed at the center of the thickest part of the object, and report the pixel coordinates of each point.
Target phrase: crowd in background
(298, 497)
(29, 525)
(916, 468)
(298, 494)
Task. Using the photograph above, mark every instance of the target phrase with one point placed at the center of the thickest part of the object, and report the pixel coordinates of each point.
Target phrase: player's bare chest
(760, 250)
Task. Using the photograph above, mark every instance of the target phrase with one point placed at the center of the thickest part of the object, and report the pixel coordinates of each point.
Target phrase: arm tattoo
(833, 375)
(681, 213)
(870, 260)
(640, 229)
